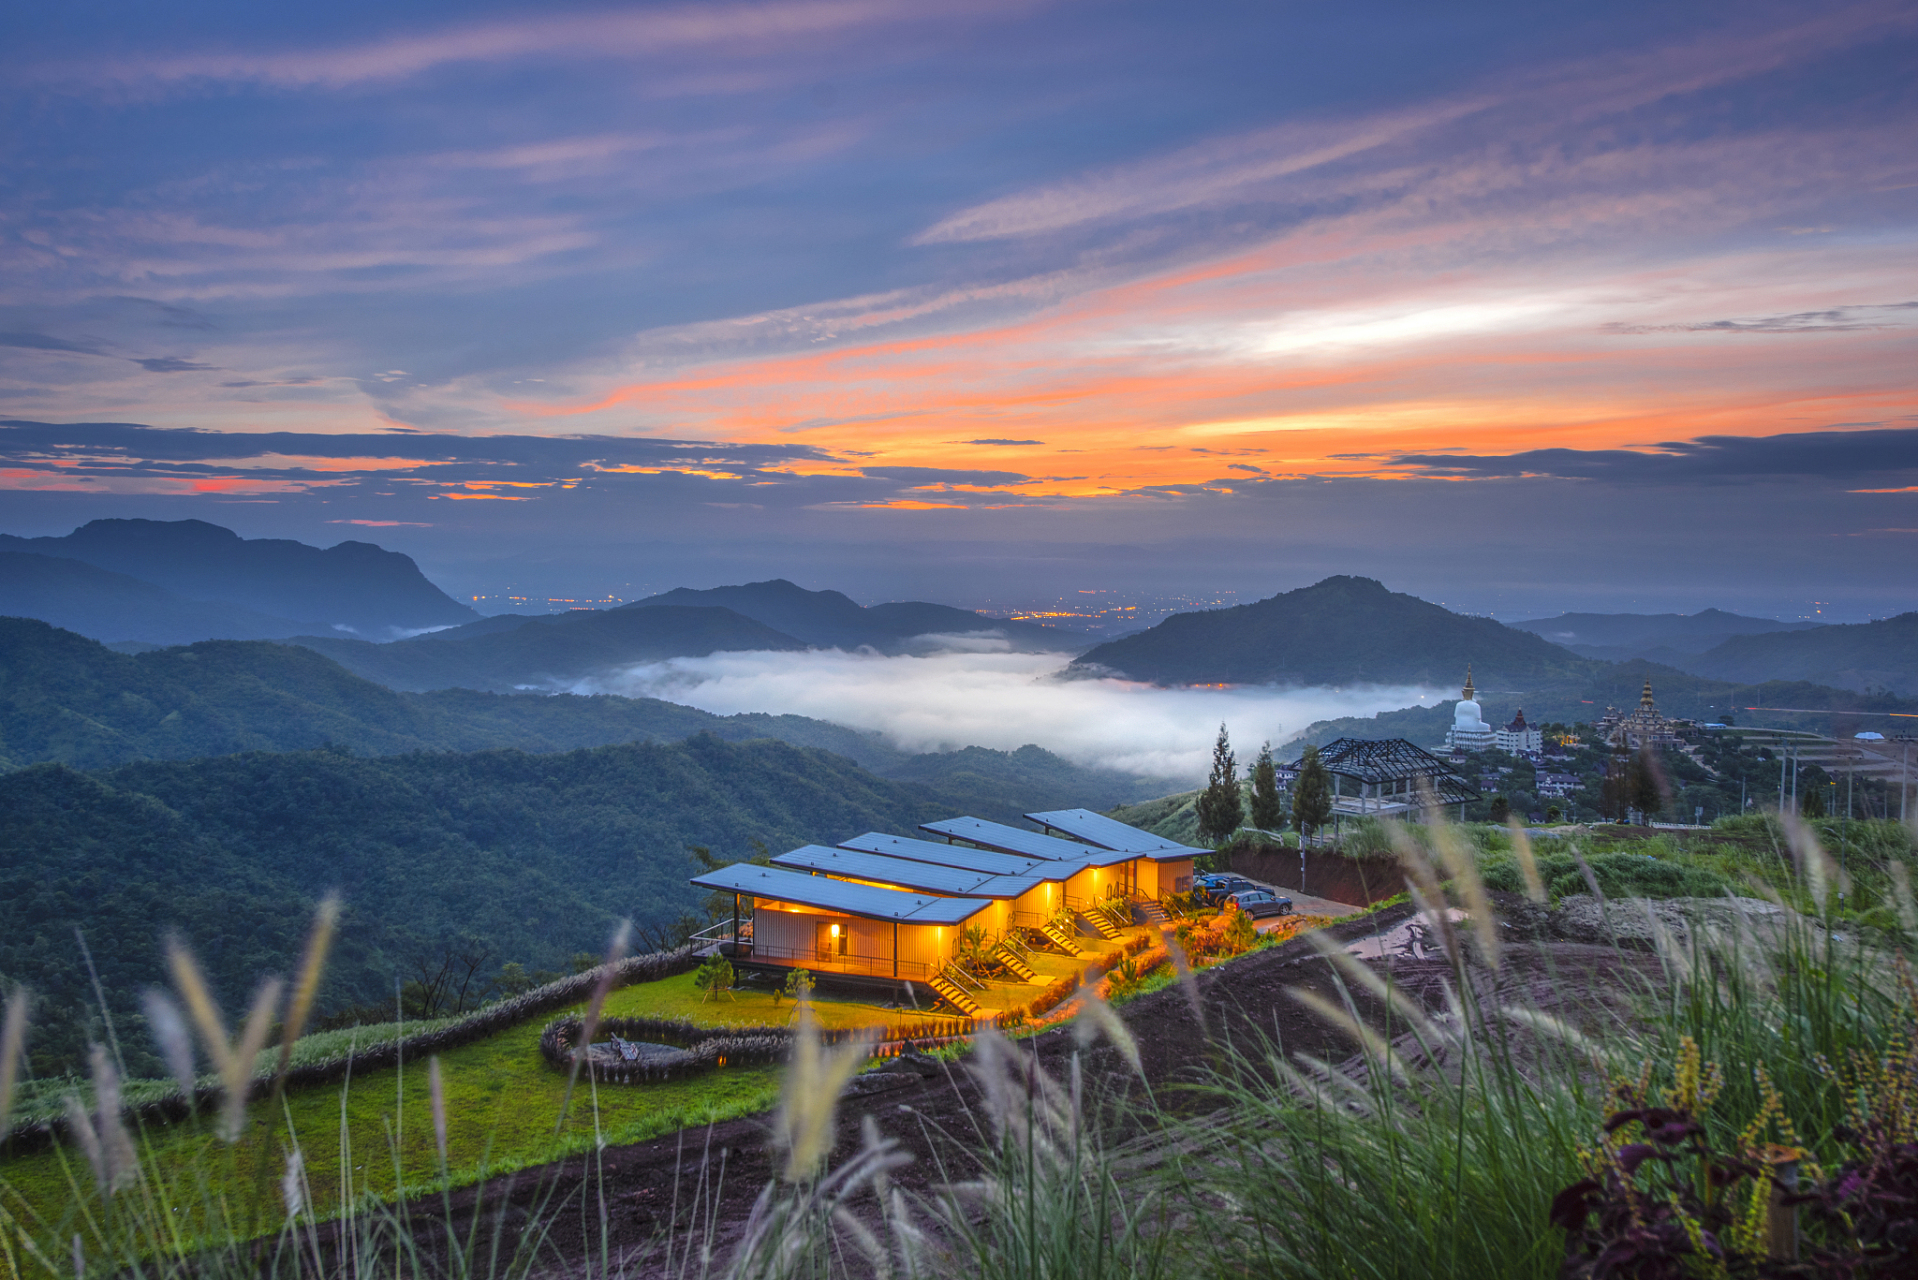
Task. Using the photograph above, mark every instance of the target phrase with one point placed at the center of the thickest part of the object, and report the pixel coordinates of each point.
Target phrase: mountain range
(556, 651)
(67, 699)
(1658, 636)
(549, 653)
(172, 581)
(830, 620)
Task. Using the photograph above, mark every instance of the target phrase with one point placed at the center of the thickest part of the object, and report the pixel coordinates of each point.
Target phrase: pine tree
(1268, 805)
(1220, 810)
(1312, 796)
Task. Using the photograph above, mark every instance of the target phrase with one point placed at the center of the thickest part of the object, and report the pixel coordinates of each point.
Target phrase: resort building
(1160, 866)
(896, 911)
(802, 921)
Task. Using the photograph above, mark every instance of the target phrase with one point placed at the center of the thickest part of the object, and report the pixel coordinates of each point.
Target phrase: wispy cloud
(591, 36)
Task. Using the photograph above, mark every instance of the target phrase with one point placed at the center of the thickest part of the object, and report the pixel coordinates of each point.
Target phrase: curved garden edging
(35, 1135)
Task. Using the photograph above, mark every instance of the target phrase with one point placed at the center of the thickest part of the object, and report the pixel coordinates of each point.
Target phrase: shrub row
(38, 1134)
(706, 1048)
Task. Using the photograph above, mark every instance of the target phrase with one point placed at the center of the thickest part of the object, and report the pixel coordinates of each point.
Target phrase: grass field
(361, 1139)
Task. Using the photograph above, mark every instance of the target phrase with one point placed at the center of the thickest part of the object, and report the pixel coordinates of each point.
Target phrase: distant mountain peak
(356, 586)
(1341, 630)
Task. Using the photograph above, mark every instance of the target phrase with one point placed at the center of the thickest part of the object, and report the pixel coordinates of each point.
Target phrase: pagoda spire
(1470, 694)
(1645, 698)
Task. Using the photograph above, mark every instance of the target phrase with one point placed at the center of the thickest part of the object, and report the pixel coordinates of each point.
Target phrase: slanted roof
(904, 873)
(828, 894)
(993, 835)
(1391, 759)
(938, 852)
(1110, 833)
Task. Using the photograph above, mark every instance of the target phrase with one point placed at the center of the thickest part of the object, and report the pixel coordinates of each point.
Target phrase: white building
(1519, 736)
(1469, 732)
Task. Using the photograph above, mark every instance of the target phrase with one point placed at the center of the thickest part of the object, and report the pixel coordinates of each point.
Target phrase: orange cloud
(1322, 355)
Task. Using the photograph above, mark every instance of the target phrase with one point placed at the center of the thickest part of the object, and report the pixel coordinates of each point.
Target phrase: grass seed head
(1527, 863)
(13, 1043)
(1096, 1018)
(307, 985)
(1462, 865)
(810, 1099)
(293, 1184)
(237, 1076)
(437, 1096)
(103, 1136)
(176, 1042)
(188, 981)
(1901, 899)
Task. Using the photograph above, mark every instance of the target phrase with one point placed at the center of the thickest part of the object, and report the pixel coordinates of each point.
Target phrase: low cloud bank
(943, 701)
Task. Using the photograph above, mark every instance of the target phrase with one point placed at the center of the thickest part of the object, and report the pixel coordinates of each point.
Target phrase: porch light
(835, 931)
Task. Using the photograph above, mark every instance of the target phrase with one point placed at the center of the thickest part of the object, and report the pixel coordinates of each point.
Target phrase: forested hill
(551, 652)
(1864, 655)
(1338, 632)
(69, 699)
(356, 585)
(831, 619)
(535, 855)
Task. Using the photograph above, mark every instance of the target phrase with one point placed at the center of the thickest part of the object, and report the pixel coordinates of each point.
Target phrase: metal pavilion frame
(1378, 766)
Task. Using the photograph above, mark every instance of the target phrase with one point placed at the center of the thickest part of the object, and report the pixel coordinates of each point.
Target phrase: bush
(1619, 875)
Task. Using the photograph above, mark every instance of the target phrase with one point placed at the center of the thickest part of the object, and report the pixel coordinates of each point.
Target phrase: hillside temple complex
(1644, 726)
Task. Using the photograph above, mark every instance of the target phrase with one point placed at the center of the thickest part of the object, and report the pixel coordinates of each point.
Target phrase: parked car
(1258, 903)
(1214, 886)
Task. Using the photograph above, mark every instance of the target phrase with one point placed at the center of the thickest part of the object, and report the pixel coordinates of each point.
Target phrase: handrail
(960, 978)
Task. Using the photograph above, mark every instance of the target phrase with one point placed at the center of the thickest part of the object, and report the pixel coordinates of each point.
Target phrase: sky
(1519, 308)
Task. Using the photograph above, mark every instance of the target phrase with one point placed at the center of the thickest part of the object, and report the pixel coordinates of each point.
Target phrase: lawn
(503, 1106)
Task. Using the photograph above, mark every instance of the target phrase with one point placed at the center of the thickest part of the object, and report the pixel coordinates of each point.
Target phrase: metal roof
(993, 835)
(904, 873)
(1110, 833)
(1392, 759)
(781, 885)
(938, 852)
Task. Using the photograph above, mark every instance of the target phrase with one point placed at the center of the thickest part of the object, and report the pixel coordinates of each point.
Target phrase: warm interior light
(835, 931)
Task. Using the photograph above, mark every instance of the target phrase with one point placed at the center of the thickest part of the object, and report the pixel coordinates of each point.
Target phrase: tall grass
(1472, 1089)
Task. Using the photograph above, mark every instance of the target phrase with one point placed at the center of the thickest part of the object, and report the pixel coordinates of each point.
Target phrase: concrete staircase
(1101, 923)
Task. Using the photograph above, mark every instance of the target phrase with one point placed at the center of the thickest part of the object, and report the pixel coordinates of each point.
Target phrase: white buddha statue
(1469, 731)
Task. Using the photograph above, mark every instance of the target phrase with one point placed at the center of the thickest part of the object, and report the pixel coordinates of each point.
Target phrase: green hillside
(536, 855)
(69, 699)
(1338, 632)
(1865, 655)
(549, 652)
(356, 585)
(831, 619)
(112, 606)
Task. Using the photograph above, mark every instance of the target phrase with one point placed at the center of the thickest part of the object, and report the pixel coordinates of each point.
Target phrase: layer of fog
(946, 700)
